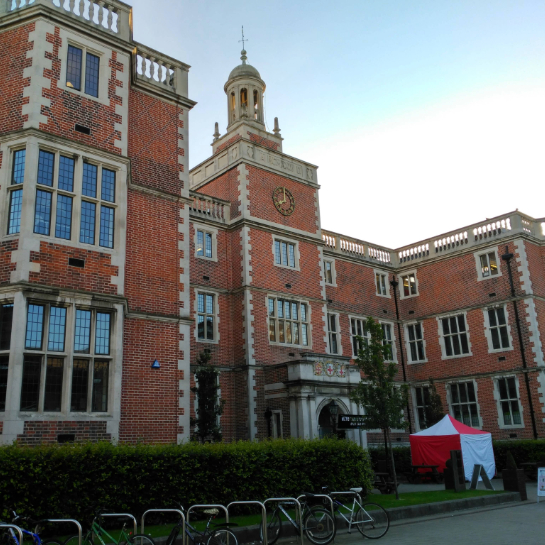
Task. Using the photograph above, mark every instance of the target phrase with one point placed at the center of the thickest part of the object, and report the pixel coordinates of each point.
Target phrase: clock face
(284, 201)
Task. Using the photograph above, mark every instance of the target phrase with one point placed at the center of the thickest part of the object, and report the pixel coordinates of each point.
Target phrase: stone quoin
(114, 255)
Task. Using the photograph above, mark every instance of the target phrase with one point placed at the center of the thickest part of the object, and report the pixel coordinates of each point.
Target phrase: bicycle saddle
(211, 511)
(357, 490)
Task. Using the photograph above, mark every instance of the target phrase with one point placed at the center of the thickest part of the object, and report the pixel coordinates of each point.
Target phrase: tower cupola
(244, 90)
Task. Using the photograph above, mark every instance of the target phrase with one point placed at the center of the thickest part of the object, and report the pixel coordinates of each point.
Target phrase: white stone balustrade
(107, 15)
(355, 248)
(160, 71)
(204, 206)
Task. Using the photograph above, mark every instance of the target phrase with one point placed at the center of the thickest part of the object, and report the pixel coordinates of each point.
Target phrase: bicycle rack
(62, 520)
(263, 515)
(298, 513)
(128, 515)
(164, 511)
(328, 498)
(347, 493)
(16, 528)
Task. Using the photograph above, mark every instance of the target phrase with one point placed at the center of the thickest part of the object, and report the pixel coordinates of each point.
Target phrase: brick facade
(206, 260)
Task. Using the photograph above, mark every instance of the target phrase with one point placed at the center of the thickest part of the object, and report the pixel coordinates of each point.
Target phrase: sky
(423, 116)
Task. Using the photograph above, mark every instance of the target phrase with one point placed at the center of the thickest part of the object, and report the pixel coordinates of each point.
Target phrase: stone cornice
(159, 318)
(159, 193)
(253, 154)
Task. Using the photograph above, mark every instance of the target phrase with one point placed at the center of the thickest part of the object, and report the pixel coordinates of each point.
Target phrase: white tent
(433, 445)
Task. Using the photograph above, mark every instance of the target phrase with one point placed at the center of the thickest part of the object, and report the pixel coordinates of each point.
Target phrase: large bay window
(288, 322)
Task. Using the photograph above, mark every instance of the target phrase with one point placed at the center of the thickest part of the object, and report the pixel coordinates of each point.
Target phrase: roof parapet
(111, 16)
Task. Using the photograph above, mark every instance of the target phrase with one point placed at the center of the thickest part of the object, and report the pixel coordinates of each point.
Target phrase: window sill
(207, 341)
(286, 345)
(212, 259)
(457, 357)
(287, 267)
(513, 427)
(500, 350)
(417, 362)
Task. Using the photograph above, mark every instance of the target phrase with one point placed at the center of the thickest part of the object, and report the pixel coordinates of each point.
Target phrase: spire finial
(243, 52)
(216, 134)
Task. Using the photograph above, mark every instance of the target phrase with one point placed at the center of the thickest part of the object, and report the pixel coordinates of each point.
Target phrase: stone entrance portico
(313, 382)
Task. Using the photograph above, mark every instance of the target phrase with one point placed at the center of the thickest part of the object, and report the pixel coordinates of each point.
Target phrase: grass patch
(388, 501)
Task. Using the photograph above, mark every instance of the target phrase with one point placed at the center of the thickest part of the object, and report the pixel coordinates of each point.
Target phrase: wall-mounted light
(156, 365)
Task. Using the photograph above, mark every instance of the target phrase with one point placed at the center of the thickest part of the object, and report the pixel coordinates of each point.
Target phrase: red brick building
(114, 256)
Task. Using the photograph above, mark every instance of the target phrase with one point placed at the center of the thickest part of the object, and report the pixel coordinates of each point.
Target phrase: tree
(209, 404)
(382, 398)
(434, 407)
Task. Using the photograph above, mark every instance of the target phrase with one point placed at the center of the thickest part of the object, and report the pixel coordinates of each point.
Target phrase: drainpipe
(507, 258)
(394, 283)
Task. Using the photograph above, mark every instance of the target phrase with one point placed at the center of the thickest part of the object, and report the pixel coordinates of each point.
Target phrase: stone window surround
(71, 302)
(414, 403)
(442, 338)
(295, 299)
(30, 186)
(333, 282)
(277, 433)
(407, 343)
(487, 334)
(477, 256)
(296, 252)
(387, 282)
(449, 399)
(215, 293)
(403, 274)
(394, 348)
(338, 333)
(212, 231)
(496, 394)
(96, 48)
(350, 318)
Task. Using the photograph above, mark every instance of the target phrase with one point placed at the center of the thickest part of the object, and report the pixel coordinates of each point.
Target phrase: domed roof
(244, 69)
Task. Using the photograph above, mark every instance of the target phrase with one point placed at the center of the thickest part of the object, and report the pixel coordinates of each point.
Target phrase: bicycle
(371, 519)
(97, 530)
(318, 524)
(9, 537)
(210, 536)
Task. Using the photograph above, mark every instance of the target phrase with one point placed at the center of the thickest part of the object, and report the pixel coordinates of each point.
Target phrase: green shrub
(75, 480)
(402, 458)
(523, 450)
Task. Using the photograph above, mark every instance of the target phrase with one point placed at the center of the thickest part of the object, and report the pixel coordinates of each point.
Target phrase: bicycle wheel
(222, 537)
(372, 520)
(173, 536)
(274, 527)
(319, 526)
(141, 539)
(86, 539)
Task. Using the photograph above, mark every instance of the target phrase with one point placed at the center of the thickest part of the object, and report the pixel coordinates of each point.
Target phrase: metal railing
(119, 515)
(298, 513)
(263, 515)
(164, 511)
(73, 521)
(16, 528)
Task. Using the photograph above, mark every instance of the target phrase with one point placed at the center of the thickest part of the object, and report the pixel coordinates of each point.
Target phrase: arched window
(256, 104)
(244, 98)
(233, 104)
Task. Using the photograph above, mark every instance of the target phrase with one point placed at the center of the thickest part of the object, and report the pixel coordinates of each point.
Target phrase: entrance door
(327, 424)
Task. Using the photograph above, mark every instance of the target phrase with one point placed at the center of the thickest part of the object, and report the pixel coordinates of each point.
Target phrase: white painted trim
(407, 342)
(449, 399)
(216, 295)
(333, 282)
(338, 333)
(387, 283)
(477, 256)
(441, 335)
(350, 318)
(401, 276)
(394, 345)
(212, 231)
(488, 335)
(296, 252)
(496, 392)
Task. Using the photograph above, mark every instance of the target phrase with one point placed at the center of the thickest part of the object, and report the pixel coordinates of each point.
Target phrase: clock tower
(265, 271)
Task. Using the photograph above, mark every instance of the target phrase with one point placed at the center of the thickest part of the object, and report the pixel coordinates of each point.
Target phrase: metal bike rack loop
(263, 515)
(165, 511)
(119, 515)
(16, 528)
(328, 498)
(73, 521)
(298, 513)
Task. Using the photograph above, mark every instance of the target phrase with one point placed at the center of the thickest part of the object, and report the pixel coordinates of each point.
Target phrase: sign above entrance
(350, 422)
